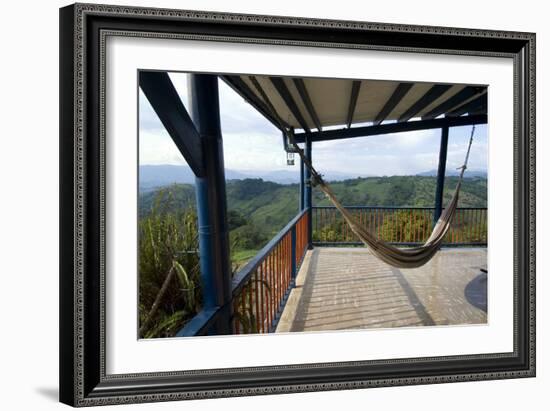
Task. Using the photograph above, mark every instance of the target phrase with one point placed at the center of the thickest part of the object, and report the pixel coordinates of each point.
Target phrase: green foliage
(411, 191)
(235, 219)
(168, 241)
(404, 226)
(257, 209)
(248, 237)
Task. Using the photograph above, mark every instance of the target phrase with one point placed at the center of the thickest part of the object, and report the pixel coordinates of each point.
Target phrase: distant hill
(155, 176)
(269, 206)
(452, 172)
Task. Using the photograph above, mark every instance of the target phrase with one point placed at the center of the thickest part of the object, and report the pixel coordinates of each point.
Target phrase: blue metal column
(307, 195)
(302, 188)
(441, 173)
(211, 202)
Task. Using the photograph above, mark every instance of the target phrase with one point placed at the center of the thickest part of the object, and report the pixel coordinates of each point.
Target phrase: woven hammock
(397, 257)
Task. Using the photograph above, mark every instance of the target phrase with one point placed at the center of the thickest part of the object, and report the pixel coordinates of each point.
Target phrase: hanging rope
(397, 257)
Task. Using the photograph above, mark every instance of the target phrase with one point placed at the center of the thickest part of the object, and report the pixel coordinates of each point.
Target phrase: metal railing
(398, 225)
(261, 287)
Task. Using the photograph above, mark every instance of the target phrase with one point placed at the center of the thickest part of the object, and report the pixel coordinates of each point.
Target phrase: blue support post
(211, 203)
(308, 195)
(441, 173)
(302, 188)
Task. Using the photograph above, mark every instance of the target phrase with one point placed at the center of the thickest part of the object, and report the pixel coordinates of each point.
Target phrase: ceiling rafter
(304, 95)
(393, 101)
(355, 87)
(428, 98)
(284, 92)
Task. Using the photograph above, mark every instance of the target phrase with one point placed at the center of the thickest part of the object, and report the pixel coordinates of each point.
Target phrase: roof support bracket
(355, 87)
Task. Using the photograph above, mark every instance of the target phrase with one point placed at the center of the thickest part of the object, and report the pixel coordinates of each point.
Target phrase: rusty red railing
(399, 225)
(262, 286)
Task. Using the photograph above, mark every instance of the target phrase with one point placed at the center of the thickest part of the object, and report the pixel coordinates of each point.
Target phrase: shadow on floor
(337, 297)
(420, 309)
(476, 291)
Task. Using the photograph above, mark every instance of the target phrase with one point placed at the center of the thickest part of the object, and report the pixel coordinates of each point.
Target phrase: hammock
(397, 257)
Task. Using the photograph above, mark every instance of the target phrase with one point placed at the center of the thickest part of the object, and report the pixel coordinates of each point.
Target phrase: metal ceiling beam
(241, 88)
(271, 109)
(392, 128)
(393, 101)
(164, 99)
(477, 105)
(429, 97)
(355, 87)
(463, 95)
(304, 95)
(267, 102)
(284, 92)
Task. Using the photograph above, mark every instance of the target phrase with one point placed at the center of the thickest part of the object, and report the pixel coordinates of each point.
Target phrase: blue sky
(253, 144)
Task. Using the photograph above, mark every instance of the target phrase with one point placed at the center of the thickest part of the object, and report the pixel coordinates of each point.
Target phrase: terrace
(312, 276)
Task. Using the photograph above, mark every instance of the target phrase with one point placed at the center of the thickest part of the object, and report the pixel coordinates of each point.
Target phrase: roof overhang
(315, 104)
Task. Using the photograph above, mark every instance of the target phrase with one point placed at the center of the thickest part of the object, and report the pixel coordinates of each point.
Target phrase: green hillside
(260, 209)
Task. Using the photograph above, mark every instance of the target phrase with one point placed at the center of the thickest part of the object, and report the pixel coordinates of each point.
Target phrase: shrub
(169, 273)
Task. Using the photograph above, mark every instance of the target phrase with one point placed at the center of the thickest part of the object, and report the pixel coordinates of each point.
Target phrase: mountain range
(154, 176)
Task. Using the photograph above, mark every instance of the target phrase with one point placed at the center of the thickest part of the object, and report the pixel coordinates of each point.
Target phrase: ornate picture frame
(84, 29)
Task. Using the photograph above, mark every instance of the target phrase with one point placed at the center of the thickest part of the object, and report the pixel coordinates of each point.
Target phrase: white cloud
(157, 147)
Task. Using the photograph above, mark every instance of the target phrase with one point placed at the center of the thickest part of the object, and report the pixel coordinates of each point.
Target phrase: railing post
(211, 202)
(441, 173)
(308, 194)
(302, 188)
(293, 253)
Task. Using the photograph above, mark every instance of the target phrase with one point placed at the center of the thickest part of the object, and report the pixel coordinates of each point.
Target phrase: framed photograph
(261, 204)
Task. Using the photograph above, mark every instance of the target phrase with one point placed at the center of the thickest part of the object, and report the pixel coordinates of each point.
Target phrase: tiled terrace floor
(349, 288)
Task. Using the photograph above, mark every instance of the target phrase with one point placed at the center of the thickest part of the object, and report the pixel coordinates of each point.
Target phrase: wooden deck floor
(349, 288)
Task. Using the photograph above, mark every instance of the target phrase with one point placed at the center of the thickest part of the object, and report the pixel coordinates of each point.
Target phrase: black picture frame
(83, 381)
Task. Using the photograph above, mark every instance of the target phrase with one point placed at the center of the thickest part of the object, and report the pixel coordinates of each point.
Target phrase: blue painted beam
(200, 324)
(212, 203)
(391, 128)
(308, 203)
(164, 99)
(302, 187)
(441, 173)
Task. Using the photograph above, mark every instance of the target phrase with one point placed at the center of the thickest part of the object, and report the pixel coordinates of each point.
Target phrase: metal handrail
(468, 227)
(394, 208)
(243, 275)
(200, 324)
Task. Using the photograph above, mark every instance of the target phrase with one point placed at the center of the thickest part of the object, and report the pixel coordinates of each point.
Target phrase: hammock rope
(398, 257)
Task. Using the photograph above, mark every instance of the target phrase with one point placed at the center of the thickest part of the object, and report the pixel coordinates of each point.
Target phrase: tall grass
(169, 272)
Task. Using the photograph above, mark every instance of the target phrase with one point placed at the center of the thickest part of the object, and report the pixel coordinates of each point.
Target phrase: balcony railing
(398, 225)
(261, 288)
